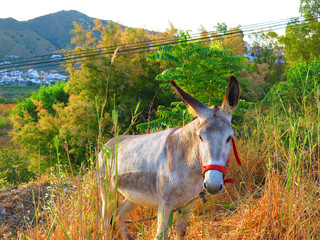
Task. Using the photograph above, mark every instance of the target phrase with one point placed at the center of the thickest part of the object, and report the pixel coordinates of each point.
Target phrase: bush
(47, 95)
(13, 169)
(35, 123)
(3, 121)
(300, 93)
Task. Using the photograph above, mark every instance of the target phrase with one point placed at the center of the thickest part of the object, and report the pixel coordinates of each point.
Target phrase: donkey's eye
(228, 139)
(201, 139)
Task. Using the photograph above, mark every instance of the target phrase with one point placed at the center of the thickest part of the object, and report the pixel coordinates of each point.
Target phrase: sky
(156, 15)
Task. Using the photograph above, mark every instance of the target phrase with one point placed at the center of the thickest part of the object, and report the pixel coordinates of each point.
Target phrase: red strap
(214, 167)
(221, 168)
(229, 180)
(235, 151)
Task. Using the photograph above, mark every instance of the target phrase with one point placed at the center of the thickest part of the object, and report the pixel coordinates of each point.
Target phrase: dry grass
(261, 204)
(258, 206)
(6, 108)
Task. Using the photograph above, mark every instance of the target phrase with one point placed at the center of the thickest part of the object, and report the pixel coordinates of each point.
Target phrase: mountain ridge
(41, 35)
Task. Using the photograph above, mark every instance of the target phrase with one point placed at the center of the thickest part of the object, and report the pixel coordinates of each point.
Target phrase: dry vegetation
(5, 126)
(262, 204)
(276, 194)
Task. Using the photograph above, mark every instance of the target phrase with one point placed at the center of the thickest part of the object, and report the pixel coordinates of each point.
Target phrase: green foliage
(69, 110)
(294, 113)
(35, 123)
(14, 94)
(3, 121)
(48, 95)
(300, 92)
(123, 81)
(286, 126)
(201, 70)
(221, 28)
(13, 169)
(302, 39)
(310, 9)
(167, 117)
(264, 47)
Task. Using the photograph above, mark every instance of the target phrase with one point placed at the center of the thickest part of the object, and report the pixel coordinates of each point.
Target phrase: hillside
(41, 35)
(56, 27)
(16, 38)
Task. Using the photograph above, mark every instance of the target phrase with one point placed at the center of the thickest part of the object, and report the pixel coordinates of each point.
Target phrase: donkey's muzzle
(213, 181)
(212, 188)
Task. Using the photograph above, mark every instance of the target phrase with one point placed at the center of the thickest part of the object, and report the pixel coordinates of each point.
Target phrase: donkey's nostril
(212, 188)
(205, 185)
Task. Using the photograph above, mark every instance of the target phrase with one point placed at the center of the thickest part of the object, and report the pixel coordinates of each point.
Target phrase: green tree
(300, 93)
(234, 42)
(48, 95)
(266, 51)
(35, 123)
(71, 110)
(310, 8)
(129, 79)
(201, 70)
(302, 38)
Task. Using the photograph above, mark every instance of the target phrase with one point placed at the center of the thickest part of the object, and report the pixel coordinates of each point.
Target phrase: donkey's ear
(231, 99)
(196, 107)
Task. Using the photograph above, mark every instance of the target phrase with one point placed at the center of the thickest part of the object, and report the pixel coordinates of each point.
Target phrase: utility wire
(262, 25)
(129, 49)
(124, 52)
(161, 41)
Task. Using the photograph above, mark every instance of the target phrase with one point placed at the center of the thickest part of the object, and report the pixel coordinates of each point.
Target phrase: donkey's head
(214, 133)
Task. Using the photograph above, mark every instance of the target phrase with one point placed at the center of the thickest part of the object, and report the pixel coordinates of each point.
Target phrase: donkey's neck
(183, 148)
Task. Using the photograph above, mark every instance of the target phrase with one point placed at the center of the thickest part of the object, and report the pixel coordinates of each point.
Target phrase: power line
(161, 41)
(262, 25)
(99, 52)
(129, 49)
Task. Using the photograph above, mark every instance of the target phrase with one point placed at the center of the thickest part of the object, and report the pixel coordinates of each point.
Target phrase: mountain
(16, 38)
(56, 27)
(41, 35)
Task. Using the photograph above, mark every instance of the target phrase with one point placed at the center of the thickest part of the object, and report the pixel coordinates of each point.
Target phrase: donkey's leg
(103, 209)
(164, 211)
(123, 213)
(182, 221)
(106, 206)
(106, 211)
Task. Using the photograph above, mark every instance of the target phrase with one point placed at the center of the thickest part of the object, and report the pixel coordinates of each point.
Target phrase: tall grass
(276, 194)
(283, 140)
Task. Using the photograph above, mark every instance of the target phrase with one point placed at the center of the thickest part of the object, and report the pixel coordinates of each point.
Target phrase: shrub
(3, 121)
(13, 169)
(300, 92)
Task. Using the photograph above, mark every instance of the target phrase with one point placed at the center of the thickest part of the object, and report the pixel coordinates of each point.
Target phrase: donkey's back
(140, 161)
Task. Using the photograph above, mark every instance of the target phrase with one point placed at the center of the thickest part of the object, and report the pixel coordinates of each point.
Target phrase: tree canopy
(302, 38)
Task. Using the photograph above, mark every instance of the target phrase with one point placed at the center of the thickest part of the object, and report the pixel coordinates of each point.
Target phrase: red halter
(222, 169)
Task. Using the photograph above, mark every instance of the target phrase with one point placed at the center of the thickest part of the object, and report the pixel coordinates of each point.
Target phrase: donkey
(169, 168)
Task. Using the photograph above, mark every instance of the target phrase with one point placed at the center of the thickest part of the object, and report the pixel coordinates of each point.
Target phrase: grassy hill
(41, 35)
(16, 38)
(56, 27)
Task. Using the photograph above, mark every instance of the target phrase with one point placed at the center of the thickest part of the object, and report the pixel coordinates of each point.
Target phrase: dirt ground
(18, 207)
